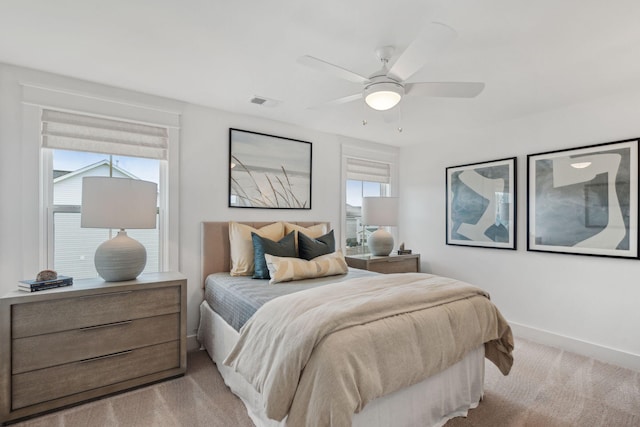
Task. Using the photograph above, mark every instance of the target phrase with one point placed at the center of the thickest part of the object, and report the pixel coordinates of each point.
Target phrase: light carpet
(546, 387)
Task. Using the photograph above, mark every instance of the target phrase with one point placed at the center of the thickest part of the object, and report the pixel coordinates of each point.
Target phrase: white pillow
(283, 269)
(241, 245)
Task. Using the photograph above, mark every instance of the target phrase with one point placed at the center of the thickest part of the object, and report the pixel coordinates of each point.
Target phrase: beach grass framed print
(269, 172)
(584, 200)
(481, 204)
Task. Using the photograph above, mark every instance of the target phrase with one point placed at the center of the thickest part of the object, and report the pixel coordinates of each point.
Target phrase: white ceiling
(532, 55)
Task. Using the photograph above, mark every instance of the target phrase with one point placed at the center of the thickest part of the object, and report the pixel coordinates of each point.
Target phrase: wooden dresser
(67, 345)
(385, 264)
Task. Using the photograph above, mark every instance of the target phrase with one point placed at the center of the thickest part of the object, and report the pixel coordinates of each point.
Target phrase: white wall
(203, 181)
(585, 304)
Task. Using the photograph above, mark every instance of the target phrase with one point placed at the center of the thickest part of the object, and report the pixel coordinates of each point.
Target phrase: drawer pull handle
(108, 356)
(89, 328)
(106, 295)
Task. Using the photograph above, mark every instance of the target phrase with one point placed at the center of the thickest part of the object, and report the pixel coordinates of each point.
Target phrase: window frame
(52, 209)
(384, 190)
(374, 153)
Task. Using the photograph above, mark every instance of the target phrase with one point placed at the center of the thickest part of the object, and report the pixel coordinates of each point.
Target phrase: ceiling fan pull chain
(400, 118)
(364, 115)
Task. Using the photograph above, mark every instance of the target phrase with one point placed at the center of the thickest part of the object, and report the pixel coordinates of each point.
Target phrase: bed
(430, 401)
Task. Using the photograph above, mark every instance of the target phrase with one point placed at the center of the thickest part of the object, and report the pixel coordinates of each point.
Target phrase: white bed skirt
(432, 402)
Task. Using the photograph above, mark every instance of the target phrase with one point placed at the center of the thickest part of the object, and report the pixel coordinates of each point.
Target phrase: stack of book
(34, 286)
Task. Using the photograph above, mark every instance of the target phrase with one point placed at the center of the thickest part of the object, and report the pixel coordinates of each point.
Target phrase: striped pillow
(283, 269)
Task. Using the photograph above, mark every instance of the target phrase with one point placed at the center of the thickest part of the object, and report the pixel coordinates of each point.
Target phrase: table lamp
(380, 211)
(119, 203)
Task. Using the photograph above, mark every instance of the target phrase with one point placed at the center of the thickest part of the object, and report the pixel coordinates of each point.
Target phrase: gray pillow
(310, 248)
(285, 247)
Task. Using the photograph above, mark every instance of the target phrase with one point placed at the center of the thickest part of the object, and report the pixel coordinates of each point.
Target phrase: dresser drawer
(405, 263)
(65, 380)
(71, 313)
(395, 266)
(93, 341)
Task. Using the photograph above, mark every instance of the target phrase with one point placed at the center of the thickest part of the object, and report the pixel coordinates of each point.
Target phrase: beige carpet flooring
(546, 387)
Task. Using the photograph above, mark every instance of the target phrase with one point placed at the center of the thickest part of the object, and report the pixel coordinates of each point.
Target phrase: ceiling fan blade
(337, 71)
(445, 89)
(430, 39)
(339, 101)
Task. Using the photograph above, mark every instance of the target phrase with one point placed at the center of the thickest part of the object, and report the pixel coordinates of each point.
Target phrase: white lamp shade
(123, 203)
(381, 211)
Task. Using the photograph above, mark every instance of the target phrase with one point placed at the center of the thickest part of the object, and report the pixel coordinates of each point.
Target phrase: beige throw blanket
(321, 355)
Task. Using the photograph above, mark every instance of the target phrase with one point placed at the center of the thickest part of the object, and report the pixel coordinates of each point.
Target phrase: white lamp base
(381, 242)
(120, 258)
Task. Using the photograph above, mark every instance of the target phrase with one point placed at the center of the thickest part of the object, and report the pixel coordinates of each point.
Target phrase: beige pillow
(313, 231)
(286, 269)
(241, 244)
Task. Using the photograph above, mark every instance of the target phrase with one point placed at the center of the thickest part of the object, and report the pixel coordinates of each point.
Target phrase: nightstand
(75, 343)
(385, 264)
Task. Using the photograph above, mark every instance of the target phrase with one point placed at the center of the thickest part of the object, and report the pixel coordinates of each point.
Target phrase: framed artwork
(584, 200)
(269, 172)
(481, 204)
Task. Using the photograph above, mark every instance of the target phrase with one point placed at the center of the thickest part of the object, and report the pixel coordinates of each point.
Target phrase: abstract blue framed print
(481, 204)
(584, 200)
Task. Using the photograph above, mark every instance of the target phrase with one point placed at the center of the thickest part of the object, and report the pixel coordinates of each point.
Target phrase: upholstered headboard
(216, 254)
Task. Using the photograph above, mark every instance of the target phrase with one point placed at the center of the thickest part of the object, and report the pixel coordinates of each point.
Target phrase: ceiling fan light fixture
(383, 96)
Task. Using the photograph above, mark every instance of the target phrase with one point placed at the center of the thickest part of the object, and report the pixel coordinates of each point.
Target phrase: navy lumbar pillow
(309, 248)
(285, 247)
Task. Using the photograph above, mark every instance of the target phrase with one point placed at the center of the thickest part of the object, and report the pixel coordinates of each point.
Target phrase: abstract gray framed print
(584, 200)
(481, 204)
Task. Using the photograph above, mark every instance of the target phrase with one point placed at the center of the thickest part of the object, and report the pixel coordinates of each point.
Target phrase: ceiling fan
(385, 88)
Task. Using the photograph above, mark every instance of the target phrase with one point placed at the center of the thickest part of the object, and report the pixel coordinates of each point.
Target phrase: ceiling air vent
(264, 101)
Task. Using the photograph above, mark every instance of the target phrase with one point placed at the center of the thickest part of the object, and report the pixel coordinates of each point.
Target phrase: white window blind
(367, 170)
(77, 132)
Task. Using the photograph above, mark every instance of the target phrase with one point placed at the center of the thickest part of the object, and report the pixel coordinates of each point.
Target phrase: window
(75, 146)
(364, 178)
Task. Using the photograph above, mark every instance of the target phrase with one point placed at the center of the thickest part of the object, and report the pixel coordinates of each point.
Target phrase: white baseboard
(604, 354)
(192, 343)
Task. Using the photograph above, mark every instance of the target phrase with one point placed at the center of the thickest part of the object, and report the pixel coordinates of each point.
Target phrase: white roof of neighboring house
(104, 162)
(353, 211)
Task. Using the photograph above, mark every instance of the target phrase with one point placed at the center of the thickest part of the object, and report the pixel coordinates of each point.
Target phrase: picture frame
(268, 171)
(481, 201)
(584, 200)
